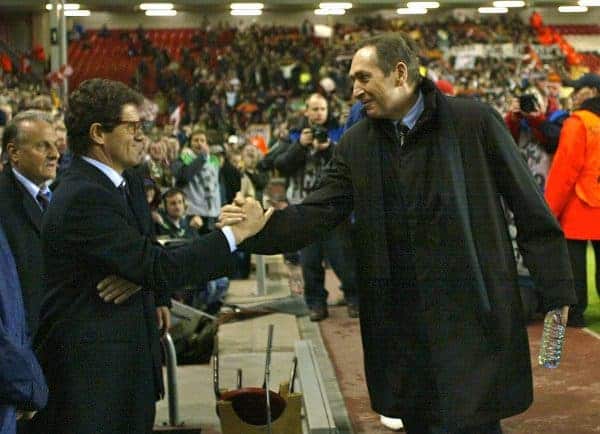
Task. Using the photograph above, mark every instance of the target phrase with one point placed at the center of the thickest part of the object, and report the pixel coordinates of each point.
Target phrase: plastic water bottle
(553, 338)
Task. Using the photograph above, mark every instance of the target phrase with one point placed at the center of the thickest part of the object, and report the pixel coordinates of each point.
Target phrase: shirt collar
(415, 112)
(30, 186)
(114, 176)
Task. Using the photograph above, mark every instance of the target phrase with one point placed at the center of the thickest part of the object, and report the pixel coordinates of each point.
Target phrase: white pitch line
(591, 333)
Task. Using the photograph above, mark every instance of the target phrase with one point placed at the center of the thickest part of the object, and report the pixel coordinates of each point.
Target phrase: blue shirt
(31, 187)
(21, 379)
(410, 119)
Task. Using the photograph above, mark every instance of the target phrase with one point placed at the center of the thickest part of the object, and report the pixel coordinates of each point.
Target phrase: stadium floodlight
(247, 6)
(426, 5)
(330, 11)
(509, 4)
(493, 10)
(245, 12)
(572, 9)
(156, 6)
(335, 5)
(411, 11)
(78, 13)
(160, 12)
(589, 3)
(68, 6)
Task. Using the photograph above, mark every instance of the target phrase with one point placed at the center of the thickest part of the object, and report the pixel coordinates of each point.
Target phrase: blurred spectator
(303, 163)
(253, 181)
(572, 190)
(153, 197)
(197, 173)
(157, 167)
(61, 145)
(176, 223)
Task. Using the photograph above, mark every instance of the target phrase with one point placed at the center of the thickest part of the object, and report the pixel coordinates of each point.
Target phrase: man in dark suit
(30, 143)
(102, 360)
(444, 342)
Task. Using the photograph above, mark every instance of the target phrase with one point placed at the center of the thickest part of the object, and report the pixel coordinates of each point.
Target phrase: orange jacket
(573, 185)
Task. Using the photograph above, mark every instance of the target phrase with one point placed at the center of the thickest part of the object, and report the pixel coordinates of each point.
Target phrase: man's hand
(232, 214)
(196, 222)
(117, 290)
(25, 415)
(245, 216)
(163, 316)
(157, 218)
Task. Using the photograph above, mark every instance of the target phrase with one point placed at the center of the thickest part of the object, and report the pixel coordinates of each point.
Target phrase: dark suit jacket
(102, 360)
(21, 217)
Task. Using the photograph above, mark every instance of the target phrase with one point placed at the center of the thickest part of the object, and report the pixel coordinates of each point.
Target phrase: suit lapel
(137, 204)
(30, 207)
(134, 210)
(32, 210)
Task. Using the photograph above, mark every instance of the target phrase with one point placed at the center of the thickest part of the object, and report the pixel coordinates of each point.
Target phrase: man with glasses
(102, 360)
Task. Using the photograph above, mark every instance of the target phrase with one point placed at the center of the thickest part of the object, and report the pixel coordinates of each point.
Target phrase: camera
(319, 133)
(528, 103)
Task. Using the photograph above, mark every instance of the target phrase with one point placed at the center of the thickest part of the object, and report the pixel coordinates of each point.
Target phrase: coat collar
(430, 99)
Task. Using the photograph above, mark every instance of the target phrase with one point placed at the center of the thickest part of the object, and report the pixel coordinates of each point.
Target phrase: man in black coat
(30, 143)
(445, 344)
(102, 360)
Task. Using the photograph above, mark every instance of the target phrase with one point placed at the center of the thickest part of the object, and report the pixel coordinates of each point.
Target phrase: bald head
(316, 109)
(30, 141)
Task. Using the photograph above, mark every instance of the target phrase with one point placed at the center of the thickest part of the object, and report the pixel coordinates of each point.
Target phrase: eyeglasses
(132, 127)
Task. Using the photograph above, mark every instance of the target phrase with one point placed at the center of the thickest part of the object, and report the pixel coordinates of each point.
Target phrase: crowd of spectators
(201, 135)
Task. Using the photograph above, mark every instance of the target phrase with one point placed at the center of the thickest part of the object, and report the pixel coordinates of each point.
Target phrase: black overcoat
(101, 360)
(462, 336)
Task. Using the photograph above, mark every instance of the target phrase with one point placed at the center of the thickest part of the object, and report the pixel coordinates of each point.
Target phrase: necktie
(124, 191)
(43, 199)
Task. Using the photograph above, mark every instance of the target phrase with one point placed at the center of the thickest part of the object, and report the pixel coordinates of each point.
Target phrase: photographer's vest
(588, 183)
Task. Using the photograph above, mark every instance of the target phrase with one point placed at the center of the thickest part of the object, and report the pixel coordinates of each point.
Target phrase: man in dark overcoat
(445, 343)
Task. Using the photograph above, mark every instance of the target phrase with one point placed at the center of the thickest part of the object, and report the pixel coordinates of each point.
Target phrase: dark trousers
(338, 250)
(577, 254)
(418, 426)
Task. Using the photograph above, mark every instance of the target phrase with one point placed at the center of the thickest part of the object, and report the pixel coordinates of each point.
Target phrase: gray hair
(392, 48)
(13, 132)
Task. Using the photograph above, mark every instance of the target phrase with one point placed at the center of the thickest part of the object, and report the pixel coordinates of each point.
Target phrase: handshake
(245, 216)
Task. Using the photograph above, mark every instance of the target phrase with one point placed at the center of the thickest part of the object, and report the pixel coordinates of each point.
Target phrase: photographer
(524, 119)
(302, 162)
